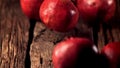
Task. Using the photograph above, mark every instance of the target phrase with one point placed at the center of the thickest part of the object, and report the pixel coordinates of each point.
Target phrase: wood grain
(14, 28)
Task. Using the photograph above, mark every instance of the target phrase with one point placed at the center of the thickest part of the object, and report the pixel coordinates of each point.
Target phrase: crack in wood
(31, 30)
(95, 34)
(40, 33)
(41, 60)
(104, 25)
(110, 33)
(50, 63)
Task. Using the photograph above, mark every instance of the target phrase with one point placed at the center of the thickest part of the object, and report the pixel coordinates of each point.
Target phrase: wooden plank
(14, 28)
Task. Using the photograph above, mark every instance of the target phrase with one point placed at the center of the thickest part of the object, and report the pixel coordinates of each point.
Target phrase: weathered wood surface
(14, 37)
(14, 28)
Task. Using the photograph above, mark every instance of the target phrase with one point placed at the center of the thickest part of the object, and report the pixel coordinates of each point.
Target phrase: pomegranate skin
(109, 8)
(93, 11)
(31, 8)
(88, 9)
(74, 53)
(112, 52)
(59, 15)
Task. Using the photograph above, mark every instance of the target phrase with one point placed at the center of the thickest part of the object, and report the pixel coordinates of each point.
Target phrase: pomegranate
(31, 8)
(96, 10)
(108, 8)
(59, 15)
(75, 53)
(112, 52)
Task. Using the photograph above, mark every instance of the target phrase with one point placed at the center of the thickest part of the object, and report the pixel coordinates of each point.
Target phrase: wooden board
(14, 28)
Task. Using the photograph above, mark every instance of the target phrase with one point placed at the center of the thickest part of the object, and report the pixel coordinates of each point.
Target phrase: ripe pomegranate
(96, 10)
(59, 15)
(108, 8)
(88, 9)
(31, 8)
(75, 53)
(112, 52)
